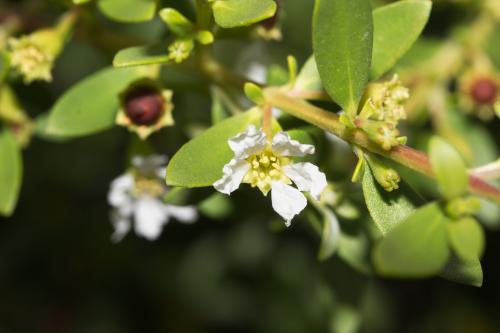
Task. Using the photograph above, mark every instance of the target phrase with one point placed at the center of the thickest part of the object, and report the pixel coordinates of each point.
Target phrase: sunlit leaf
(142, 55)
(128, 10)
(237, 13)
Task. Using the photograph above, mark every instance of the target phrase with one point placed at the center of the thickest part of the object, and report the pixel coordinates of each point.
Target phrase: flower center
(484, 91)
(31, 61)
(144, 105)
(148, 187)
(266, 168)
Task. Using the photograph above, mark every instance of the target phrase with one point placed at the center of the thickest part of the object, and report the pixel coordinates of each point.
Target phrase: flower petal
(118, 194)
(150, 216)
(121, 225)
(283, 145)
(307, 177)
(287, 201)
(185, 214)
(233, 174)
(248, 143)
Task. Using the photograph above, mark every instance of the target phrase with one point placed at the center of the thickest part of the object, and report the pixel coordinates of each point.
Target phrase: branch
(404, 155)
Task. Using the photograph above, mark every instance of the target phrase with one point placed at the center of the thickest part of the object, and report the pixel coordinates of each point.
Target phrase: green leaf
(466, 238)
(308, 78)
(141, 55)
(199, 162)
(448, 167)
(91, 105)
(176, 22)
(4, 64)
(237, 13)
(330, 234)
(80, 2)
(388, 209)
(460, 271)
(10, 172)
(418, 247)
(395, 28)
(342, 43)
(128, 10)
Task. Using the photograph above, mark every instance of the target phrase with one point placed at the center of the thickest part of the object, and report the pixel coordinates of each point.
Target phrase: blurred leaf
(388, 209)
(10, 171)
(79, 2)
(354, 249)
(217, 206)
(199, 162)
(4, 64)
(395, 28)
(237, 13)
(128, 10)
(219, 113)
(448, 167)
(177, 22)
(342, 43)
(91, 105)
(141, 55)
(418, 247)
(466, 238)
(460, 271)
(330, 234)
(308, 78)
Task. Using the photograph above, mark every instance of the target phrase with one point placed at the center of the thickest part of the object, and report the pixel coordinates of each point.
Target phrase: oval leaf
(470, 273)
(141, 55)
(449, 168)
(466, 238)
(199, 162)
(237, 13)
(342, 43)
(10, 172)
(128, 10)
(395, 28)
(388, 209)
(418, 247)
(91, 105)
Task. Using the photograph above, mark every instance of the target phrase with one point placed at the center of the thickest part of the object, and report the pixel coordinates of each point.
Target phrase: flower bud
(145, 108)
(33, 55)
(484, 91)
(180, 49)
(387, 177)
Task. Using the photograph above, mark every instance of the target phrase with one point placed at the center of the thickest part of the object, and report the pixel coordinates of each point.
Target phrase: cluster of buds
(33, 55)
(479, 90)
(382, 109)
(145, 108)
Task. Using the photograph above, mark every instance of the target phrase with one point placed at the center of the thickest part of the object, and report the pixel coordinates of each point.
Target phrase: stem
(490, 171)
(267, 115)
(404, 155)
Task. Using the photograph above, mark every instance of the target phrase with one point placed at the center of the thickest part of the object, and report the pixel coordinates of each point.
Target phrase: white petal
(118, 194)
(233, 174)
(283, 145)
(307, 177)
(121, 224)
(150, 216)
(185, 214)
(248, 143)
(257, 72)
(287, 201)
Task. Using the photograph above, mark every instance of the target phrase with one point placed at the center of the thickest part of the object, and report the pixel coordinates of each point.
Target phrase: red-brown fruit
(144, 105)
(484, 91)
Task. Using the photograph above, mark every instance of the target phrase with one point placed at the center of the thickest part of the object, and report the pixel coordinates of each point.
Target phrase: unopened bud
(386, 176)
(484, 91)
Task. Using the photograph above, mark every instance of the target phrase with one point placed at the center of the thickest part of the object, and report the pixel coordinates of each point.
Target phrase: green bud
(386, 176)
(204, 37)
(384, 134)
(254, 93)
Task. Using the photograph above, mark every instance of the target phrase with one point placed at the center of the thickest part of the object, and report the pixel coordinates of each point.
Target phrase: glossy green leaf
(199, 162)
(418, 247)
(4, 64)
(395, 28)
(308, 78)
(388, 209)
(466, 238)
(91, 105)
(237, 13)
(141, 55)
(330, 234)
(448, 167)
(128, 10)
(342, 43)
(457, 270)
(10, 172)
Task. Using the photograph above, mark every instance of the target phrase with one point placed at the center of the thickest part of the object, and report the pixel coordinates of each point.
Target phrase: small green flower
(180, 49)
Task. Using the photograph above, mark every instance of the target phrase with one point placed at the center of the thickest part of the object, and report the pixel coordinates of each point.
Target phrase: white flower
(268, 166)
(137, 195)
